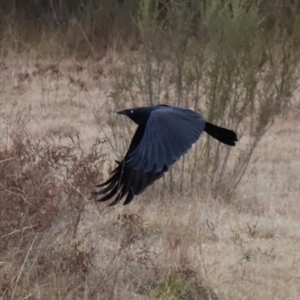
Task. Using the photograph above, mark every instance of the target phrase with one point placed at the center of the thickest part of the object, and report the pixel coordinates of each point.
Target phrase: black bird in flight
(164, 134)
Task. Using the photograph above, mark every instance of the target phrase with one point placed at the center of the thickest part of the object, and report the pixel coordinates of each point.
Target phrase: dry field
(172, 247)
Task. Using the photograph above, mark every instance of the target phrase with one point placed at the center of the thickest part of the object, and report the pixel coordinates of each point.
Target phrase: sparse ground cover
(59, 137)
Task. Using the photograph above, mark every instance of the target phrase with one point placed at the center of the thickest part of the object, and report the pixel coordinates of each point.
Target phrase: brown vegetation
(187, 237)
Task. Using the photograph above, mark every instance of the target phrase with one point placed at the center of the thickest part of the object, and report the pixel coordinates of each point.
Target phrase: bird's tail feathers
(223, 135)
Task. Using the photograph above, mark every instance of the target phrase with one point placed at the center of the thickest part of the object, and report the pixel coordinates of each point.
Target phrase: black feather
(223, 135)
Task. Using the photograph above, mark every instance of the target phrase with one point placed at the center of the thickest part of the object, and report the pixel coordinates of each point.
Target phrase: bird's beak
(122, 112)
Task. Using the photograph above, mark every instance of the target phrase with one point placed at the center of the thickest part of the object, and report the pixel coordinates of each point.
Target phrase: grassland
(59, 139)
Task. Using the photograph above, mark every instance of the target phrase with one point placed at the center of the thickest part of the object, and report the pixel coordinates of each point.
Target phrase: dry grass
(56, 243)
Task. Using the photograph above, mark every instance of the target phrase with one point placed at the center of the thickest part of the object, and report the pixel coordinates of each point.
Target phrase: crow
(163, 135)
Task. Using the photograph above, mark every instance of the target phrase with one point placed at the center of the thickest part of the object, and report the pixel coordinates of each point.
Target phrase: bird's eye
(132, 111)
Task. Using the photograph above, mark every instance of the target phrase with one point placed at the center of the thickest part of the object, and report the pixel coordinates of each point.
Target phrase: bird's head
(139, 115)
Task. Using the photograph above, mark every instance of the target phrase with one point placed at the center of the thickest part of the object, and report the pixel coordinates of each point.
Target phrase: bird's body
(164, 134)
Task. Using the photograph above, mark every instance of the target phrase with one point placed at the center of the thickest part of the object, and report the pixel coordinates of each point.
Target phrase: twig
(22, 267)
(92, 49)
(8, 159)
(18, 230)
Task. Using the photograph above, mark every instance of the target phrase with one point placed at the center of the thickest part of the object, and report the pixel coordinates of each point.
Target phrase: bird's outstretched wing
(169, 133)
(125, 180)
